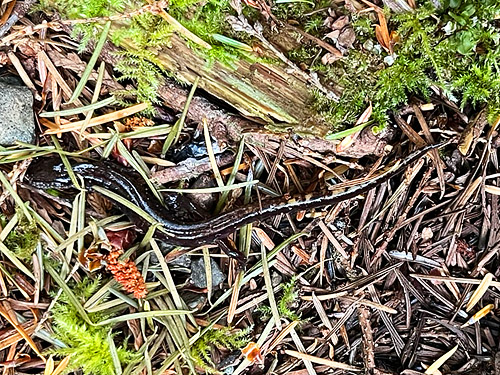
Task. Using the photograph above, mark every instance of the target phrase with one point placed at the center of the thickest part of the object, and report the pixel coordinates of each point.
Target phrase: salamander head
(47, 173)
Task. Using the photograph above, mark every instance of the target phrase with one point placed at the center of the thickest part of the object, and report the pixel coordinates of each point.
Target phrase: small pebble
(199, 277)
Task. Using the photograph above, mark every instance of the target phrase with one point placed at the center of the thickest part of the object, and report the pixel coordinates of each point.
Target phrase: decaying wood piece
(227, 127)
(258, 90)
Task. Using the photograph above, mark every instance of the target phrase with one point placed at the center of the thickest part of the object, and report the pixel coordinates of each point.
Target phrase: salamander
(51, 173)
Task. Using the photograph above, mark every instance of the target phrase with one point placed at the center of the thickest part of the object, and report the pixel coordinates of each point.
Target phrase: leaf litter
(400, 280)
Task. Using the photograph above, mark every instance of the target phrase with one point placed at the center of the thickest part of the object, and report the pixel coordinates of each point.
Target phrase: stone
(17, 121)
(198, 276)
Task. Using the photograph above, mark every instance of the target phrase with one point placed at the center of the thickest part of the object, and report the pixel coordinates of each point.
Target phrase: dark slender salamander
(52, 174)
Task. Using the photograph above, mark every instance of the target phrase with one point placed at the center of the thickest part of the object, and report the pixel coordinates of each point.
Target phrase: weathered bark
(230, 85)
(258, 90)
(229, 128)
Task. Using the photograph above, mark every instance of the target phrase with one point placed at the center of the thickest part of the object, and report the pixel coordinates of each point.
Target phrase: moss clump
(143, 34)
(224, 337)
(287, 299)
(76, 9)
(87, 345)
(23, 239)
(455, 47)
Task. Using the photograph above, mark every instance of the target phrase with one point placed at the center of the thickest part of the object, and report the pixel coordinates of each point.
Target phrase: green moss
(23, 239)
(314, 24)
(455, 48)
(286, 300)
(304, 54)
(147, 33)
(221, 337)
(292, 11)
(75, 9)
(87, 345)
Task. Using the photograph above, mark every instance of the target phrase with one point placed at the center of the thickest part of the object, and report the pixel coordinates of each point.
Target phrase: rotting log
(230, 86)
(257, 90)
(227, 127)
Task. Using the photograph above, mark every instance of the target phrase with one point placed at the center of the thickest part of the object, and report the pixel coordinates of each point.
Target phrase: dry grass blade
(322, 361)
(495, 190)
(276, 250)
(220, 189)
(463, 280)
(60, 367)
(269, 287)
(49, 366)
(233, 303)
(211, 155)
(67, 92)
(332, 239)
(382, 33)
(325, 297)
(22, 73)
(278, 339)
(479, 292)
(12, 336)
(472, 132)
(208, 271)
(479, 315)
(99, 120)
(321, 312)
(434, 368)
(21, 331)
(91, 63)
(300, 346)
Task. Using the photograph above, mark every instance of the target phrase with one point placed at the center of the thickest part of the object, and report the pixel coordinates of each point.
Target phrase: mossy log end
(257, 90)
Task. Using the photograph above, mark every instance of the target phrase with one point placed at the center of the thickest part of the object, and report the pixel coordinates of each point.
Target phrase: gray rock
(198, 276)
(17, 122)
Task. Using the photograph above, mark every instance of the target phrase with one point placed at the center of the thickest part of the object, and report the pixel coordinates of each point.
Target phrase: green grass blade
(91, 64)
(114, 354)
(144, 314)
(173, 136)
(69, 293)
(16, 261)
(66, 163)
(14, 195)
(347, 132)
(232, 43)
(269, 287)
(75, 111)
(232, 176)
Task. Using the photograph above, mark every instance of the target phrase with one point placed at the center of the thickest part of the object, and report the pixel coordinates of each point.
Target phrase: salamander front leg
(227, 246)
